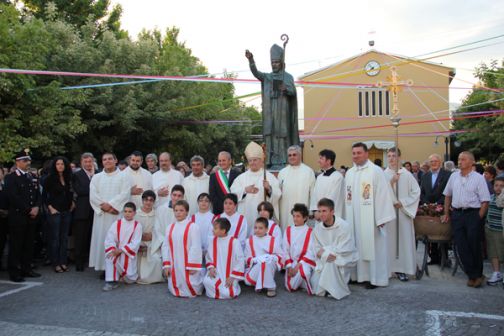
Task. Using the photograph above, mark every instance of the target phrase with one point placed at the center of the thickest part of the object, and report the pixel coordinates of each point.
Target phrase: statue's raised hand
(249, 55)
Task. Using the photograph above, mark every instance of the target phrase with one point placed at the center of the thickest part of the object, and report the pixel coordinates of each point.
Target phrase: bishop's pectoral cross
(394, 86)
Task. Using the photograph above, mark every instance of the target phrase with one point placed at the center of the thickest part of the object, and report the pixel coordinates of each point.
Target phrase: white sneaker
(494, 279)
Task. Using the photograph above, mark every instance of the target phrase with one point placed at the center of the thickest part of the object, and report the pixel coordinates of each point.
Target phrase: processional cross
(394, 86)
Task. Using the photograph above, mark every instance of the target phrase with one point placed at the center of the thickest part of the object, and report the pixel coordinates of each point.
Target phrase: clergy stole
(365, 194)
(223, 181)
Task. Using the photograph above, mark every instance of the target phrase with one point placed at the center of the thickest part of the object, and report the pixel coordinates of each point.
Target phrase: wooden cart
(431, 230)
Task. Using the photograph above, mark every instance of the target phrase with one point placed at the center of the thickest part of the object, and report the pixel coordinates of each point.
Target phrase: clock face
(372, 68)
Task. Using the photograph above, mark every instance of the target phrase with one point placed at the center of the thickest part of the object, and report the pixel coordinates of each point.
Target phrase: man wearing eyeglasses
(296, 181)
(466, 203)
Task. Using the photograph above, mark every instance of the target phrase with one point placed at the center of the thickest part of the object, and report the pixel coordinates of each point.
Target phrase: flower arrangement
(431, 210)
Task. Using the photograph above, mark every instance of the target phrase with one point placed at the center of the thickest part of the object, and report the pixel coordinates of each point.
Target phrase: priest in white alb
(109, 190)
(196, 183)
(251, 186)
(369, 208)
(164, 179)
(329, 184)
(402, 259)
(296, 181)
(141, 179)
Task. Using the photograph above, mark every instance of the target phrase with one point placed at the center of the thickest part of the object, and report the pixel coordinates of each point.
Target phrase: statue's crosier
(279, 108)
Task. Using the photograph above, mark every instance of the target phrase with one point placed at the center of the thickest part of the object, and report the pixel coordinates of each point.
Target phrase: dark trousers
(4, 230)
(21, 242)
(466, 229)
(59, 226)
(82, 229)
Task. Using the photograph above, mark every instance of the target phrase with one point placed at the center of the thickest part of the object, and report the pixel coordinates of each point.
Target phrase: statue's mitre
(253, 150)
(276, 52)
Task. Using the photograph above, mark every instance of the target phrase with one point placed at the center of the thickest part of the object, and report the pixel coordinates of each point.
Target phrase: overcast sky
(323, 32)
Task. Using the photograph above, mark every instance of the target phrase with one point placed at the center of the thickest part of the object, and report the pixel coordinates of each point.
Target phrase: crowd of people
(203, 228)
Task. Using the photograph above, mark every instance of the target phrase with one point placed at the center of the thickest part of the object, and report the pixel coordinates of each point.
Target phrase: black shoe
(31, 274)
(79, 268)
(16, 278)
(369, 285)
(402, 276)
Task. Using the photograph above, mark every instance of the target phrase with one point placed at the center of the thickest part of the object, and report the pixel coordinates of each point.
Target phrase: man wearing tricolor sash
(251, 186)
(221, 181)
(369, 208)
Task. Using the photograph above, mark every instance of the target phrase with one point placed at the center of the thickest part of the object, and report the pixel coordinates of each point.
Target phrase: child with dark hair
(263, 259)
(224, 263)
(238, 222)
(297, 244)
(266, 210)
(121, 248)
(182, 257)
(203, 219)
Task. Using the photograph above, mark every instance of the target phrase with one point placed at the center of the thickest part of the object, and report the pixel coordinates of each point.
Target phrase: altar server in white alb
(182, 255)
(164, 217)
(263, 259)
(224, 263)
(164, 179)
(369, 209)
(238, 221)
(266, 210)
(121, 248)
(204, 219)
(335, 251)
(109, 190)
(402, 260)
(149, 261)
(329, 184)
(298, 251)
(251, 186)
(196, 183)
(296, 181)
(141, 179)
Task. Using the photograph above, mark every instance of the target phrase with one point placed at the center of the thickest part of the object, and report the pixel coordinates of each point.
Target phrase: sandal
(64, 268)
(58, 269)
(271, 293)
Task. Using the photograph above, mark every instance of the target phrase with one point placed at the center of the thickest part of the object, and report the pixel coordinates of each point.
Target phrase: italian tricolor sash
(223, 181)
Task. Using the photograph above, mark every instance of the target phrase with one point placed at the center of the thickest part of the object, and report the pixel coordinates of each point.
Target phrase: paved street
(73, 304)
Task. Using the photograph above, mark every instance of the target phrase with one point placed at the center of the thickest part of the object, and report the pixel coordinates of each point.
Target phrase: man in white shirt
(141, 179)
(196, 183)
(467, 196)
(329, 184)
(296, 181)
(165, 178)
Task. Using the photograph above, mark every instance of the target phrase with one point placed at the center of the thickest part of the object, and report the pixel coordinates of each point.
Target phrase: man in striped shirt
(493, 233)
(467, 196)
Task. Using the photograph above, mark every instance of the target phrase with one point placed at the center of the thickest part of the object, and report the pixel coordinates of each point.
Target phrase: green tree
(484, 137)
(37, 113)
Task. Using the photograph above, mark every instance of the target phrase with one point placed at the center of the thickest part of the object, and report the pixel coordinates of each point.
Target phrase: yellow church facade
(343, 104)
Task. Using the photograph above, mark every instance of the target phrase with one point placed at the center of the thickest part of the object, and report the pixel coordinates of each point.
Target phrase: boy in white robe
(224, 262)
(204, 219)
(165, 217)
(239, 226)
(121, 247)
(263, 259)
(298, 251)
(149, 262)
(182, 256)
(335, 251)
(266, 210)
(406, 202)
